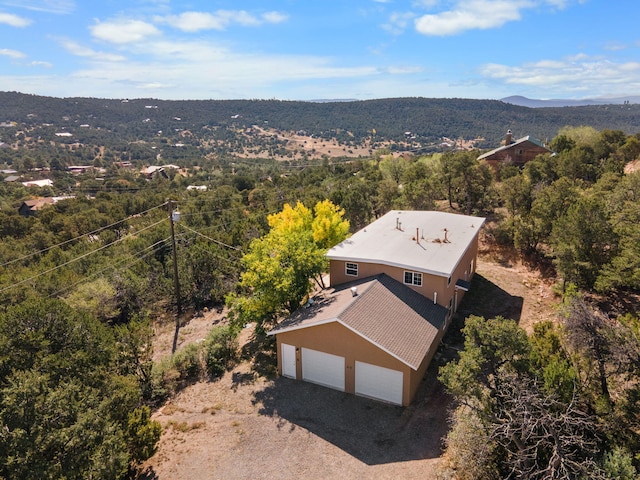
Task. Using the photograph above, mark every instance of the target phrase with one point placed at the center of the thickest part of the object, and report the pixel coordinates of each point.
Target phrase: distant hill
(427, 120)
(534, 103)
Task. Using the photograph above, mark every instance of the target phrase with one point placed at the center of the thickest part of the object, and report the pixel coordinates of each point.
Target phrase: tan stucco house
(394, 287)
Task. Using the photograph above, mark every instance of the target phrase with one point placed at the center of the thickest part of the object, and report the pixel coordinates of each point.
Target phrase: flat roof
(442, 239)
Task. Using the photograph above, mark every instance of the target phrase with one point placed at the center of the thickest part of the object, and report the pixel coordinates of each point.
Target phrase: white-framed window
(351, 269)
(413, 278)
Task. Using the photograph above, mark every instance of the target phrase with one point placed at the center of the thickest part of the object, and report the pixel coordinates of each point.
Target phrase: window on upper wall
(351, 269)
(413, 278)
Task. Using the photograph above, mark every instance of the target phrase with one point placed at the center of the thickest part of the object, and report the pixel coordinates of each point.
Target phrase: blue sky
(322, 49)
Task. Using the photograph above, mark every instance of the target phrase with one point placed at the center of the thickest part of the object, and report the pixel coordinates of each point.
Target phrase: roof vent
(354, 291)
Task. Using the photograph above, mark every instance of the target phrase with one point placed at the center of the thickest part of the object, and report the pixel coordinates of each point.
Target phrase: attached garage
(375, 341)
(379, 382)
(323, 368)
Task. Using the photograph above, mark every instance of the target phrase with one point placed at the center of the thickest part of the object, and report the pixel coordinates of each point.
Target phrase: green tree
(584, 241)
(280, 265)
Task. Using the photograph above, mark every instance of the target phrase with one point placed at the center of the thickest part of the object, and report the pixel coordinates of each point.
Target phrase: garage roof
(385, 312)
(422, 241)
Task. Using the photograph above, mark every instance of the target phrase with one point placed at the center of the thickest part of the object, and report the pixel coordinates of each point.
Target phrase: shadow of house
(378, 433)
(371, 431)
(488, 300)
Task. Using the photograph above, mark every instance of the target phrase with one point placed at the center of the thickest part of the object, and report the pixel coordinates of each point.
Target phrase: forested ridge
(428, 118)
(83, 281)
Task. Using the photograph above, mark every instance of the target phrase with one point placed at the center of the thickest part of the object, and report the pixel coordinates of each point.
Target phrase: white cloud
(275, 17)
(50, 6)
(578, 73)
(471, 15)
(14, 20)
(398, 22)
(83, 51)
(219, 20)
(11, 53)
(124, 31)
(200, 69)
(40, 63)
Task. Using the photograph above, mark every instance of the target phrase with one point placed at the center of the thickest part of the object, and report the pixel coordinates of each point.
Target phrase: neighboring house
(12, 178)
(516, 152)
(30, 207)
(153, 170)
(395, 286)
(38, 183)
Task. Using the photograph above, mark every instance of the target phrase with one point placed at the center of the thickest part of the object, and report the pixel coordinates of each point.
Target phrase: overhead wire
(113, 266)
(95, 232)
(80, 257)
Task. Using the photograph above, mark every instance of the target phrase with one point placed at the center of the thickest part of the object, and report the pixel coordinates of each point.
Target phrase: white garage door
(379, 383)
(323, 368)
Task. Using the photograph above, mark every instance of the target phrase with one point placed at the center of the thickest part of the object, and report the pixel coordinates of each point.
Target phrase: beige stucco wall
(446, 292)
(336, 339)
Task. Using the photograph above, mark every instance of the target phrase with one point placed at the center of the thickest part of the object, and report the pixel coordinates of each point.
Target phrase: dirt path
(246, 426)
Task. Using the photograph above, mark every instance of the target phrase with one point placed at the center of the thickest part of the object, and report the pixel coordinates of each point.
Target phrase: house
(395, 285)
(30, 207)
(516, 152)
(38, 183)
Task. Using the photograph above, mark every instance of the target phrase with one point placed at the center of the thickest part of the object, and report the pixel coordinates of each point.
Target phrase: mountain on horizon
(535, 103)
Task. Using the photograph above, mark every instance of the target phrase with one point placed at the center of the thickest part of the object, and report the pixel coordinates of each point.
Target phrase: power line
(73, 260)
(15, 260)
(209, 238)
(95, 274)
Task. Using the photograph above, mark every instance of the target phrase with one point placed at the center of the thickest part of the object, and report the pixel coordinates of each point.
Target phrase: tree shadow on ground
(488, 300)
(261, 351)
(146, 474)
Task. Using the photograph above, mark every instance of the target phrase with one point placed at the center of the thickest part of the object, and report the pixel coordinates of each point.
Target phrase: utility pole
(176, 280)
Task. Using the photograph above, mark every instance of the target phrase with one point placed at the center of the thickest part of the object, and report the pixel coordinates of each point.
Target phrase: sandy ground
(249, 426)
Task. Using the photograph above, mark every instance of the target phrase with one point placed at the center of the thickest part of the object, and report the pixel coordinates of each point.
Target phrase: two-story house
(394, 287)
(515, 152)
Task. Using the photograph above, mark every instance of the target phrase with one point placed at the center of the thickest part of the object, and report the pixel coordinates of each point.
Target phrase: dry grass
(250, 424)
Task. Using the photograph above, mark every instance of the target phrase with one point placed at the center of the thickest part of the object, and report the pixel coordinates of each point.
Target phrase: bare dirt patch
(248, 425)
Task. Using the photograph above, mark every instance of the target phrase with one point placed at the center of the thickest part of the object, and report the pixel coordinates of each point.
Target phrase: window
(351, 269)
(448, 281)
(413, 278)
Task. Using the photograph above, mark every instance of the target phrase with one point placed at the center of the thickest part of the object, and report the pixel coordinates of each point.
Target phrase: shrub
(221, 350)
(188, 362)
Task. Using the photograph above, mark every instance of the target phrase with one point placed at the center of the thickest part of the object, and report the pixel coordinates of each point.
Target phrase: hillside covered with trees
(83, 280)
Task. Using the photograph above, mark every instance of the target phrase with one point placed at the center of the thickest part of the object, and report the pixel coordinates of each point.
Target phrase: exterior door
(379, 382)
(288, 361)
(323, 368)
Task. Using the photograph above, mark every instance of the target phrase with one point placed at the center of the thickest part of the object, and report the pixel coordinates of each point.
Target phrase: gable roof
(391, 240)
(518, 142)
(385, 312)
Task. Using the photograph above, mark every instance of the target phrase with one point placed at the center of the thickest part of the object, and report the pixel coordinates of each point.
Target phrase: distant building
(516, 152)
(38, 183)
(30, 207)
(154, 170)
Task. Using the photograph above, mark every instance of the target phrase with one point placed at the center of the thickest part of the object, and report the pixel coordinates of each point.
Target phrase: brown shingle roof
(387, 313)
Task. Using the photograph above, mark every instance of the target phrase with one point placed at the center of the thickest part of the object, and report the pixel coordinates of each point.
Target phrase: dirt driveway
(248, 426)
